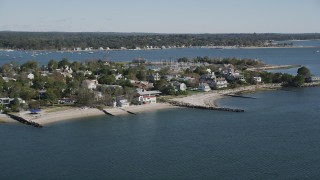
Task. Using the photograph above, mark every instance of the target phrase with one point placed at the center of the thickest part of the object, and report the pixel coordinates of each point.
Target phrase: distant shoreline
(151, 49)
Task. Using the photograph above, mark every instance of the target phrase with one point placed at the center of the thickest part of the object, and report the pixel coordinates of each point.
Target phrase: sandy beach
(139, 108)
(52, 115)
(57, 114)
(5, 119)
(210, 98)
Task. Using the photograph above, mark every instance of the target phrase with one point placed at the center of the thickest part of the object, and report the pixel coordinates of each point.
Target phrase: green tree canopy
(52, 65)
(304, 71)
(29, 66)
(63, 62)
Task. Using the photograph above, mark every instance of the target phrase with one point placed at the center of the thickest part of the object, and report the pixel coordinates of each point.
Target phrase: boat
(318, 51)
(90, 52)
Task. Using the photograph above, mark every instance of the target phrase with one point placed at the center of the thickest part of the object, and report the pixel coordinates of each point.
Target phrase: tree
(50, 96)
(52, 65)
(286, 79)
(28, 93)
(298, 81)
(30, 65)
(15, 105)
(141, 75)
(85, 97)
(107, 79)
(304, 71)
(64, 62)
(201, 70)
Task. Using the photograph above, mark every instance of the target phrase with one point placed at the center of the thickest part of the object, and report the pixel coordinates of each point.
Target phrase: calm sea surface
(277, 137)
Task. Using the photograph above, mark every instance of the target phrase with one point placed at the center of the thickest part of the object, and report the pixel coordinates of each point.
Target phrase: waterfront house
(66, 101)
(204, 87)
(257, 79)
(219, 83)
(146, 97)
(313, 79)
(5, 101)
(77, 49)
(122, 102)
(89, 84)
(208, 78)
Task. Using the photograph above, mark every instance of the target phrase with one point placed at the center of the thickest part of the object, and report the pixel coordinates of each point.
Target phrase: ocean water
(277, 137)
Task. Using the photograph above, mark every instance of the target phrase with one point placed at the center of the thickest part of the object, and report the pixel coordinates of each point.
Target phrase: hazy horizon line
(120, 32)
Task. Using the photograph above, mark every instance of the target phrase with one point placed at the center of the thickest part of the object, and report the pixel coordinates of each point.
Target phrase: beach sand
(5, 119)
(210, 98)
(48, 116)
(139, 109)
(57, 114)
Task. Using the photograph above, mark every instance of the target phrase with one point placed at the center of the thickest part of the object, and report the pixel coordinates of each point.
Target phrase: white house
(67, 69)
(122, 102)
(118, 76)
(154, 77)
(179, 86)
(87, 72)
(7, 101)
(66, 101)
(219, 83)
(30, 76)
(257, 79)
(148, 99)
(313, 79)
(208, 78)
(89, 84)
(204, 87)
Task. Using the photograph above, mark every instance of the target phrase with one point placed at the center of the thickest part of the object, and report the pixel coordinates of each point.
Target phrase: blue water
(277, 137)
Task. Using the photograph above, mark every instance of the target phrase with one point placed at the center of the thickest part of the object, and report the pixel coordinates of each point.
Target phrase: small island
(62, 90)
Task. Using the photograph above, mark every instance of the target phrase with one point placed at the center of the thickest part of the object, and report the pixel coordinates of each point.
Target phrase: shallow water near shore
(277, 137)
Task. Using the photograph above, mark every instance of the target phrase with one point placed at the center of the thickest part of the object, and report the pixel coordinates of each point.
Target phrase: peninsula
(67, 90)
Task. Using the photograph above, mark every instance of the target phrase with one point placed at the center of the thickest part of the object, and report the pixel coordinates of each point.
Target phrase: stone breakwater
(188, 105)
(24, 121)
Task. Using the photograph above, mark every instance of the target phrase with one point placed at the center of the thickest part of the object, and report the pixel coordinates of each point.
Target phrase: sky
(162, 16)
